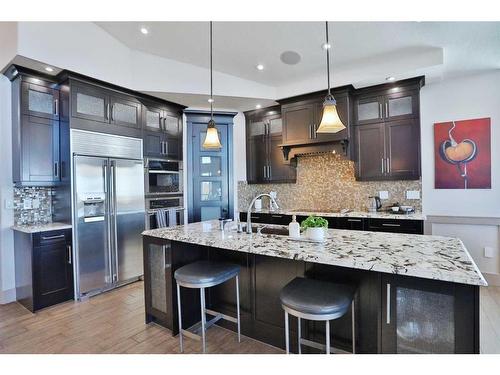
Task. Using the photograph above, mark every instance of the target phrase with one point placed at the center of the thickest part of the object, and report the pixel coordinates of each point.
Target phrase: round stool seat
(321, 299)
(204, 274)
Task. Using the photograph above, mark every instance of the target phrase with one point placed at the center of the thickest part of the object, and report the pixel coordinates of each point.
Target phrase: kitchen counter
(358, 214)
(423, 256)
(37, 228)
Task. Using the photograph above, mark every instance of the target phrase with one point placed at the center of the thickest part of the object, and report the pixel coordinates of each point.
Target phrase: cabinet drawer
(52, 237)
(396, 226)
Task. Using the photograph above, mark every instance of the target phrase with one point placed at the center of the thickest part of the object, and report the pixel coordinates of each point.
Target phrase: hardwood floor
(114, 323)
(110, 323)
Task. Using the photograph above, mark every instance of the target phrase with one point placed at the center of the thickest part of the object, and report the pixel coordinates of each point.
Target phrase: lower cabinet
(425, 316)
(44, 268)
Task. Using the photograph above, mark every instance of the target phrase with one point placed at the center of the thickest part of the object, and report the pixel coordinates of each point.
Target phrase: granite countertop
(359, 214)
(36, 228)
(429, 257)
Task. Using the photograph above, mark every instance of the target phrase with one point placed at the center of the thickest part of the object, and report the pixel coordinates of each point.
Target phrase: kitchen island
(416, 294)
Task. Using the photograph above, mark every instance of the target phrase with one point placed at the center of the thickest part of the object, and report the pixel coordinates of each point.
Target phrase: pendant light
(330, 121)
(212, 138)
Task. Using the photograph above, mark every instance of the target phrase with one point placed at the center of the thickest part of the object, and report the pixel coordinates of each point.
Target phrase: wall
(458, 213)
(7, 277)
(327, 182)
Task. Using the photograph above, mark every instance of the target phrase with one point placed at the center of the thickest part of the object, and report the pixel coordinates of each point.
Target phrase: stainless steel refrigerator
(109, 211)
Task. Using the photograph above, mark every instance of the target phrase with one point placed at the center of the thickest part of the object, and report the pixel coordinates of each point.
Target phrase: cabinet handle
(381, 113)
(388, 304)
(56, 107)
(111, 113)
(52, 237)
(277, 216)
(386, 109)
(70, 260)
(388, 166)
(264, 167)
(254, 217)
(354, 220)
(56, 169)
(382, 166)
(164, 123)
(310, 131)
(390, 225)
(107, 111)
(269, 171)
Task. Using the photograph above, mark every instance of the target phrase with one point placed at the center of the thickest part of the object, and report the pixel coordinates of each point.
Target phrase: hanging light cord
(211, 77)
(328, 59)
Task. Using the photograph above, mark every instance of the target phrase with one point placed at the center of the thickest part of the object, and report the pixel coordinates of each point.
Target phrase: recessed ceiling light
(326, 46)
(144, 30)
(49, 69)
(258, 106)
(259, 67)
(211, 100)
(390, 79)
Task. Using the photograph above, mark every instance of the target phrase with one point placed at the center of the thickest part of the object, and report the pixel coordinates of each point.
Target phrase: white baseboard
(7, 296)
(493, 279)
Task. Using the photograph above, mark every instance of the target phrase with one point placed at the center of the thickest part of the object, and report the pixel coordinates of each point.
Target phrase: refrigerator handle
(113, 220)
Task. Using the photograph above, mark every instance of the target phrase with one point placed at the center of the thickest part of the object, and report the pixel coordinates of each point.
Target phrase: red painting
(462, 153)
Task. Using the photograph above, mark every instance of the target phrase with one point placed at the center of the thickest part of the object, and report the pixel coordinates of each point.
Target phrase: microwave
(163, 177)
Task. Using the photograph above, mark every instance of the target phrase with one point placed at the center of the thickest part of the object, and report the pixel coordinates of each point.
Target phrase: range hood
(291, 152)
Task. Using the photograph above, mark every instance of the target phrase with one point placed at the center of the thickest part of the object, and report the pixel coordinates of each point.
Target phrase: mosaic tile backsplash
(32, 205)
(326, 182)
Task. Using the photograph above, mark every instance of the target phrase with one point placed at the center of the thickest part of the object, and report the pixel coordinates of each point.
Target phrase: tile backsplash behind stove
(32, 205)
(327, 182)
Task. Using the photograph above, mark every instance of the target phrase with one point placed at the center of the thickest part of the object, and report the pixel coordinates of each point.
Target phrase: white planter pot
(316, 234)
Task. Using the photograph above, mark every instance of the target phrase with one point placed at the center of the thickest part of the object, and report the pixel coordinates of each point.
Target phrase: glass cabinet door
(400, 105)
(40, 101)
(368, 110)
(89, 103)
(172, 124)
(153, 118)
(125, 112)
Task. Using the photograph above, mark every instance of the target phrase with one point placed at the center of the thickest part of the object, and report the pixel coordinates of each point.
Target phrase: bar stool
(318, 301)
(201, 275)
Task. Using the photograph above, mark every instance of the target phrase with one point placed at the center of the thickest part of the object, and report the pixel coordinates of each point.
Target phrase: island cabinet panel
(426, 316)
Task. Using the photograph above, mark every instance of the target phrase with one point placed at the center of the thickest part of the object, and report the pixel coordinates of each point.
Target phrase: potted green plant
(314, 227)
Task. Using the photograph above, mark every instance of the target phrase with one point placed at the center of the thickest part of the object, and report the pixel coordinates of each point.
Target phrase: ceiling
(468, 47)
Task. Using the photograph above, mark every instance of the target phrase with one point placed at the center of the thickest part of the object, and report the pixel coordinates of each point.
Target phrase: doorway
(210, 189)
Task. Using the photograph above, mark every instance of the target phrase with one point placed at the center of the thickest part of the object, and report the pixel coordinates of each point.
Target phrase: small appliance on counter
(375, 204)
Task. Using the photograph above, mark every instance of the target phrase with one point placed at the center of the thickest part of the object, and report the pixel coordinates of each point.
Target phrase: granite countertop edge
(37, 228)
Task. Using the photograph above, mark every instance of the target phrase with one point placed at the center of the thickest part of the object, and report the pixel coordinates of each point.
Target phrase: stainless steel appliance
(108, 211)
(171, 206)
(163, 176)
(375, 204)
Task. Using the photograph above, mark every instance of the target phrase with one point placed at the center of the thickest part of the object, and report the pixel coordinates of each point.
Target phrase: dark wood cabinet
(265, 161)
(35, 133)
(125, 111)
(44, 270)
(299, 120)
(387, 131)
(160, 145)
(351, 223)
(89, 102)
(425, 316)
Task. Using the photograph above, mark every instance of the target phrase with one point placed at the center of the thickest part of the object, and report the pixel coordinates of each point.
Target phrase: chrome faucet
(249, 212)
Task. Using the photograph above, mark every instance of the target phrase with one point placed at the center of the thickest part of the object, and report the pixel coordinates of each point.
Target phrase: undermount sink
(280, 231)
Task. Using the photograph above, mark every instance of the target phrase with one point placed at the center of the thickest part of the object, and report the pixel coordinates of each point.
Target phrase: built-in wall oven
(171, 207)
(163, 177)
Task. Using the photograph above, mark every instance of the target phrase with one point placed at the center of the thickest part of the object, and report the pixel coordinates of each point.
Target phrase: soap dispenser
(294, 228)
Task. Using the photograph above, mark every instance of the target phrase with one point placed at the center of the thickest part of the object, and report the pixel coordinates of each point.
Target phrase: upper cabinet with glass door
(40, 101)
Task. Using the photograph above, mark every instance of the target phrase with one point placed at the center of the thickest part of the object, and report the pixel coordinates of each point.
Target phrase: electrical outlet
(27, 204)
(9, 204)
(489, 252)
(383, 194)
(412, 194)
(36, 203)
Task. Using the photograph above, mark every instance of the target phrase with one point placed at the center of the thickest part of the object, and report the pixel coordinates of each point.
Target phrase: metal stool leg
(298, 335)
(327, 337)
(180, 316)
(238, 307)
(287, 339)
(203, 318)
(353, 329)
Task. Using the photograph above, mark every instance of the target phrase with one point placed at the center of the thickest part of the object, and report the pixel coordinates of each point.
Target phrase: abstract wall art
(462, 154)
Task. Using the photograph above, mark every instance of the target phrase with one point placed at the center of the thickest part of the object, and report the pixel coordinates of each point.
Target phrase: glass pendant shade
(330, 122)
(212, 138)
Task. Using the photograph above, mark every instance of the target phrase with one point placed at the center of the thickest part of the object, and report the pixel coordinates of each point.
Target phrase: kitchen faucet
(249, 212)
